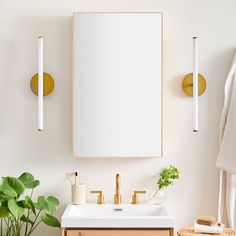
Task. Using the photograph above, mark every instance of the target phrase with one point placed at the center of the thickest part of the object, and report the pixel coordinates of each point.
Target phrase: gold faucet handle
(135, 199)
(100, 196)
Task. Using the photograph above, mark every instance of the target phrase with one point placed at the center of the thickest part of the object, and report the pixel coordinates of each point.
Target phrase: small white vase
(159, 197)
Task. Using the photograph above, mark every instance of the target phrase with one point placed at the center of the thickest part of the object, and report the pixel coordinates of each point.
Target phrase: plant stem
(8, 227)
(12, 226)
(32, 226)
(18, 227)
(31, 193)
(1, 226)
(31, 230)
(6, 224)
(21, 224)
(26, 227)
(155, 193)
(27, 223)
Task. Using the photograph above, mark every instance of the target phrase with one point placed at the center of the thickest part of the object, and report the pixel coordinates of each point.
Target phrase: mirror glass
(117, 84)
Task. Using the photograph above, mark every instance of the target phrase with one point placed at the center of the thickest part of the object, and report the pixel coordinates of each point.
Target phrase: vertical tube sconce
(41, 83)
(194, 84)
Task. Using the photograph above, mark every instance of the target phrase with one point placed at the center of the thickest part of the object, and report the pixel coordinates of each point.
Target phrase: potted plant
(19, 213)
(166, 178)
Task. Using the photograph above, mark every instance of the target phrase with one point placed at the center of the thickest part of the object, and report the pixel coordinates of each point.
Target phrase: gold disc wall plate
(187, 84)
(48, 84)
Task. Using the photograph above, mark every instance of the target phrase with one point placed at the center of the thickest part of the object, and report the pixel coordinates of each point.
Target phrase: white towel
(231, 199)
(214, 229)
(227, 155)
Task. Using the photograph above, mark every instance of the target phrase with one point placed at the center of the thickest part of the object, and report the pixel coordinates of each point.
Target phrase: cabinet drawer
(140, 232)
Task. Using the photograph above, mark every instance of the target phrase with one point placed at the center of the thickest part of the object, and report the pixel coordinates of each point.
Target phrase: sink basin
(117, 216)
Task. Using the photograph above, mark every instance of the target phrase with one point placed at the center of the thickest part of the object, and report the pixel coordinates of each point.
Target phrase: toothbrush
(68, 175)
(76, 175)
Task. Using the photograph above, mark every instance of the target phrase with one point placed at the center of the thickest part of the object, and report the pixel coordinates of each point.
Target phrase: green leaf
(50, 203)
(167, 177)
(35, 184)
(28, 180)
(28, 203)
(4, 212)
(50, 220)
(43, 203)
(53, 204)
(15, 208)
(26, 220)
(12, 187)
(37, 206)
(3, 198)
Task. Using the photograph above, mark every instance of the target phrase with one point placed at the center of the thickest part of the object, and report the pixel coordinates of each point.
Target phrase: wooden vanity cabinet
(117, 232)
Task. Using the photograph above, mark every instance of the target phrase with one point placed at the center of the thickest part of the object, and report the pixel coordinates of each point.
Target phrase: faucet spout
(117, 196)
(118, 184)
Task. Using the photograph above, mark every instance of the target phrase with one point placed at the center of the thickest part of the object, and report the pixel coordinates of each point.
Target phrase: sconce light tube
(195, 83)
(40, 83)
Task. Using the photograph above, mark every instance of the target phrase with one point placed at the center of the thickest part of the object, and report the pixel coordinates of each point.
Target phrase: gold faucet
(100, 196)
(117, 196)
(135, 199)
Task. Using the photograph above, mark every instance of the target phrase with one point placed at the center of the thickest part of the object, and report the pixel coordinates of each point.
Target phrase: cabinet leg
(63, 232)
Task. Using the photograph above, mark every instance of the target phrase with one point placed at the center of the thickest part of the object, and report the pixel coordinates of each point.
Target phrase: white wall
(49, 155)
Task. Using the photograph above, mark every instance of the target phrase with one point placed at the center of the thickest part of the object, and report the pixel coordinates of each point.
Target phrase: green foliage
(20, 213)
(50, 220)
(16, 208)
(12, 187)
(28, 203)
(28, 180)
(167, 177)
(4, 212)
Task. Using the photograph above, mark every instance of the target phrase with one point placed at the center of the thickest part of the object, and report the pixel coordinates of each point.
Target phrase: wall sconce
(41, 84)
(194, 84)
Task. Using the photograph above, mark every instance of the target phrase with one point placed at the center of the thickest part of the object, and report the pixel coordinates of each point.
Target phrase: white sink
(117, 216)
